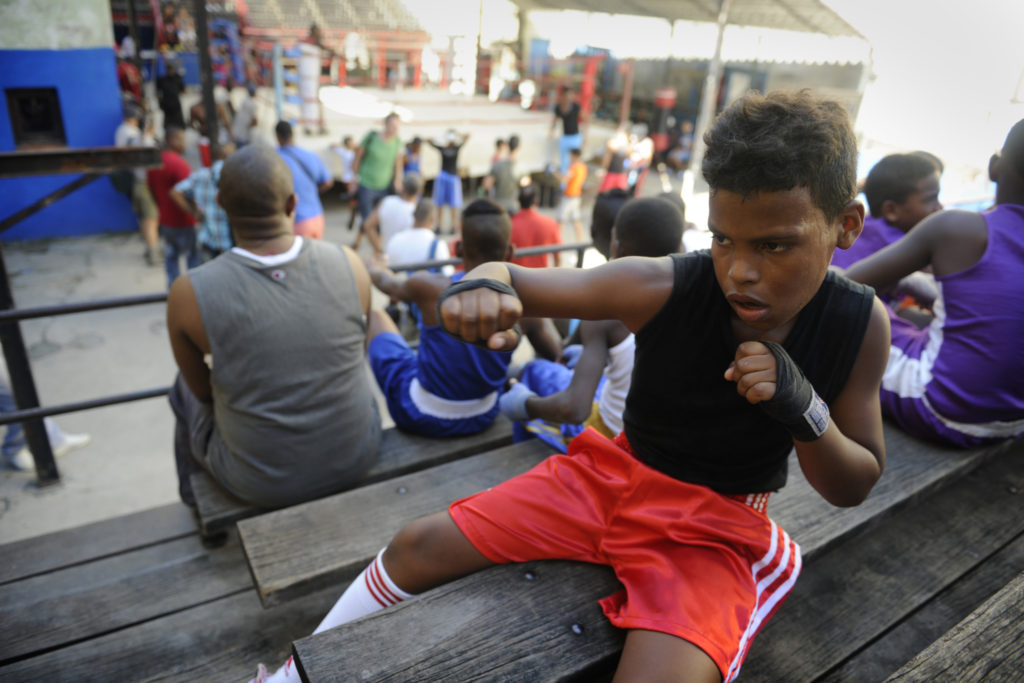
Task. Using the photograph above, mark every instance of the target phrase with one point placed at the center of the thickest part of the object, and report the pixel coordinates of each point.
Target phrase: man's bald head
(255, 183)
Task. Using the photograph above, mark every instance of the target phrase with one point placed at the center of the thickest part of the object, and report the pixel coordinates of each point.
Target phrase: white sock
(372, 591)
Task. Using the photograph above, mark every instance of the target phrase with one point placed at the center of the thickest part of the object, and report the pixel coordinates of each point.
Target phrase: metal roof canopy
(809, 16)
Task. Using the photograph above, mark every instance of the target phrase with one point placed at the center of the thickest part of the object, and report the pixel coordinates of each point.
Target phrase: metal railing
(23, 385)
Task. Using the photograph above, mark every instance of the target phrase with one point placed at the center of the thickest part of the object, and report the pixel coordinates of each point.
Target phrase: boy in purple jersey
(959, 379)
(901, 190)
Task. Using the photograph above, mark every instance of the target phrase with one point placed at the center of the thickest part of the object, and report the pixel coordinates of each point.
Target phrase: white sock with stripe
(372, 591)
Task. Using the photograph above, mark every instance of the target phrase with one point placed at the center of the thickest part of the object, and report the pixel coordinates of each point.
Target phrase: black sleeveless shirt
(685, 419)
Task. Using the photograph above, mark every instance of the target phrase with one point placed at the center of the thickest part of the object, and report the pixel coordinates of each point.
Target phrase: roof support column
(710, 94)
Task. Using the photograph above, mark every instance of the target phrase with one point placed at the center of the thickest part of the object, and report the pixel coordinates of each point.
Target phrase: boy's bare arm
(845, 462)
(388, 281)
(848, 460)
(543, 336)
(188, 338)
(949, 241)
(573, 404)
(629, 289)
(422, 289)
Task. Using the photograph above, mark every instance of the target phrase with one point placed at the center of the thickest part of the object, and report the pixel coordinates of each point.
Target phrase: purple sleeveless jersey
(877, 234)
(962, 378)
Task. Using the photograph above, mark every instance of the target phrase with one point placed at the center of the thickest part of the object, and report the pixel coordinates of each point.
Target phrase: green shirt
(377, 166)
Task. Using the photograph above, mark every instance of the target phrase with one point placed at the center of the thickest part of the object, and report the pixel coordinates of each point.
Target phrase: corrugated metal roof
(810, 16)
(369, 15)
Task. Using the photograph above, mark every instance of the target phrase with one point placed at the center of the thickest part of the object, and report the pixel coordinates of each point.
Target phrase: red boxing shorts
(702, 566)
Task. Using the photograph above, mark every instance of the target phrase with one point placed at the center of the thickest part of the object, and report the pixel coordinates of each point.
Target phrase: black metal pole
(24, 387)
(133, 31)
(206, 71)
(102, 402)
(81, 307)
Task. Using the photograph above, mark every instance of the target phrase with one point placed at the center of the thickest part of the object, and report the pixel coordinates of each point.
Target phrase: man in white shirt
(392, 215)
(420, 242)
(245, 119)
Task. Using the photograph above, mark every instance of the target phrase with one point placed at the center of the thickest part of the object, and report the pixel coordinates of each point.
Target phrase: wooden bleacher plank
(986, 646)
(328, 541)
(284, 564)
(93, 598)
(507, 628)
(924, 469)
(913, 468)
(41, 554)
(222, 640)
(852, 595)
(400, 453)
(930, 622)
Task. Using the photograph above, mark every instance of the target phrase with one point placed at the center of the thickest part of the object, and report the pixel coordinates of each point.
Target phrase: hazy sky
(946, 71)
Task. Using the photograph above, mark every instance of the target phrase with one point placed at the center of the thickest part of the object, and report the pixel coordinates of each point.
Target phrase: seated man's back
(285, 413)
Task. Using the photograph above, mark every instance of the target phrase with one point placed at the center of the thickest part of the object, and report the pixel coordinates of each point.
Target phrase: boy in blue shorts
(445, 387)
(743, 353)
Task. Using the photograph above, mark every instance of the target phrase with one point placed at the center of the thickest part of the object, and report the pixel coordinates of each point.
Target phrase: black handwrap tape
(795, 404)
(476, 283)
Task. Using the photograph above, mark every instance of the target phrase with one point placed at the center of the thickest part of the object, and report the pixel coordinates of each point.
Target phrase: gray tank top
(294, 412)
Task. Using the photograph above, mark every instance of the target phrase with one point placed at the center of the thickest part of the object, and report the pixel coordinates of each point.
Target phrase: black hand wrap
(465, 286)
(795, 404)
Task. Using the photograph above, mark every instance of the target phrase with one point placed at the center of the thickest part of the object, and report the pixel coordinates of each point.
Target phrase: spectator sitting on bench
(958, 381)
(445, 388)
(901, 189)
(741, 354)
(420, 242)
(285, 412)
(555, 403)
(391, 216)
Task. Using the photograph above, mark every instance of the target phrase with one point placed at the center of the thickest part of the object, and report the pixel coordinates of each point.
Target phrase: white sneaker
(70, 443)
(22, 461)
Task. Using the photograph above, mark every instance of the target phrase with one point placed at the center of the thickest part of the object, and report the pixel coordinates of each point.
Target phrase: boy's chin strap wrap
(795, 405)
(476, 283)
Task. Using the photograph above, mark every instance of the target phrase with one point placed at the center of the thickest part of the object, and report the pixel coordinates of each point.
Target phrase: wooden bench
(550, 625)
(400, 452)
(865, 607)
(987, 645)
(329, 541)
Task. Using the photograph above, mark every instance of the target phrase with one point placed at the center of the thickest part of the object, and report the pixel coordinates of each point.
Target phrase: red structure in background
(587, 86)
(664, 103)
(389, 52)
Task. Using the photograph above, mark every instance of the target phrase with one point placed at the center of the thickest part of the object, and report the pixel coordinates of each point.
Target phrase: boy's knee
(415, 541)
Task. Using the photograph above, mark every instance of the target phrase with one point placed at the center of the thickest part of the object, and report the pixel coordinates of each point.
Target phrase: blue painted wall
(86, 83)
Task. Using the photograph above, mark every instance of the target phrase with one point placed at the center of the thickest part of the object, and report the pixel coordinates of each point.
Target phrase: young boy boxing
(743, 353)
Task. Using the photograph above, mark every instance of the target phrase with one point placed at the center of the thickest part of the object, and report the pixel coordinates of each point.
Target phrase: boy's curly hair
(780, 141)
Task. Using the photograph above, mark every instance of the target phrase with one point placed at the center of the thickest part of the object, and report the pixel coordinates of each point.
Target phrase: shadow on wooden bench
(551, 627)
(400, 453)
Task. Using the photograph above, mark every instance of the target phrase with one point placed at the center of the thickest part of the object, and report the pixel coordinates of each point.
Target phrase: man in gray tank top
(273, 397)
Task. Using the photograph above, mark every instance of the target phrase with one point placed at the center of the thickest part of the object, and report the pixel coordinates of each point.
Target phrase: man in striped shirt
(197, 195)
